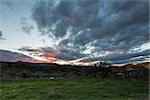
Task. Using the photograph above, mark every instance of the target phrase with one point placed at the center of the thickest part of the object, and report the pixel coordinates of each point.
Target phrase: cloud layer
(88, 30)
(13, 56)
(94, 27)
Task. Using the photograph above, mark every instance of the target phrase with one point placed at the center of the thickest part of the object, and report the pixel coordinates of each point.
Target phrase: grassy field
(74, 89)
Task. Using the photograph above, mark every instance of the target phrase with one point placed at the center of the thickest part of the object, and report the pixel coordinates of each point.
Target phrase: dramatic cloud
(92, 29)
(123, 56)
(48, 52)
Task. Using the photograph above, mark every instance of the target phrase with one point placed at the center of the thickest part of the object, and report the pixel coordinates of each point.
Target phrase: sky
(74, 31)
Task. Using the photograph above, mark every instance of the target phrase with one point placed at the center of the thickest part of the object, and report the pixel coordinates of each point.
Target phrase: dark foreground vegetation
(24, 70)
(74, 89)
(101, 81)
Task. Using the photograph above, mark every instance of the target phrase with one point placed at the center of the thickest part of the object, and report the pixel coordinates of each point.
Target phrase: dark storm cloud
(117, 57)
(69, 54)
(63, 53)
(104, 24)
(126, 55)
(141, 58)
(29, 49)
(37, 50)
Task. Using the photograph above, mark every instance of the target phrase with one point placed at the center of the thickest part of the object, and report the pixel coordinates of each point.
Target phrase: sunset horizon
(74, 31)
(74, 50)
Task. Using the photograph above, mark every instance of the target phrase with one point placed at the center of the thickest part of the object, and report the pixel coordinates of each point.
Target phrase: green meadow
(74, 89)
